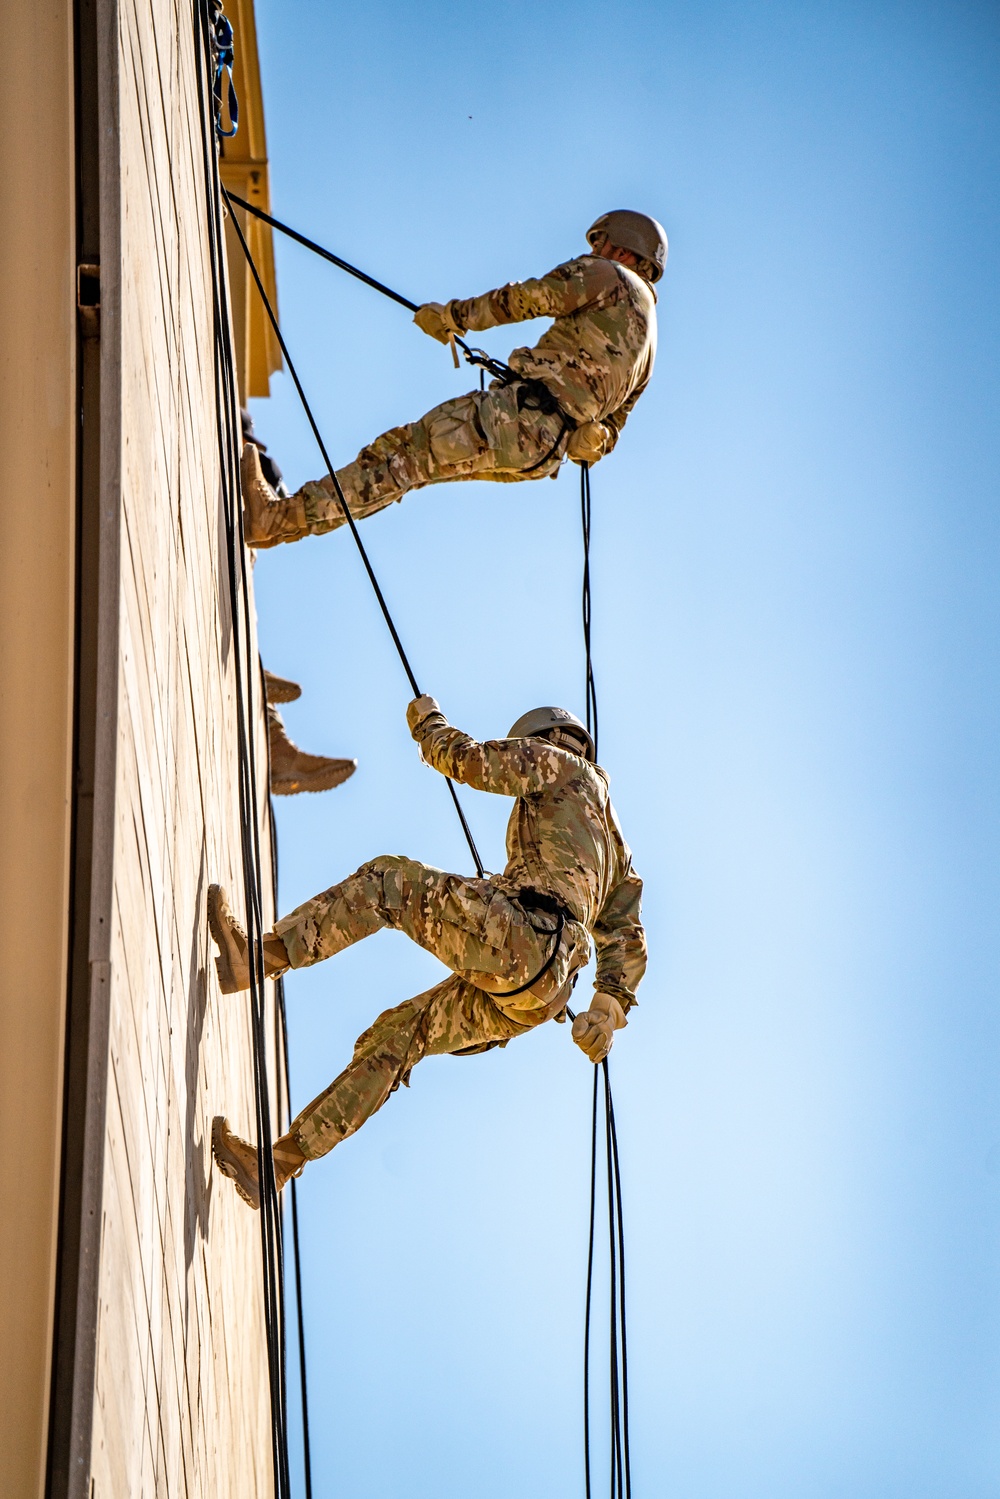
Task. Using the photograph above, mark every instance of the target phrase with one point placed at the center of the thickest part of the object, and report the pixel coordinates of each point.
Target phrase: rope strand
(495, 367)
(282, 1013)
(226, 405)
(590, 688)
(342, 501)
(621, 1470)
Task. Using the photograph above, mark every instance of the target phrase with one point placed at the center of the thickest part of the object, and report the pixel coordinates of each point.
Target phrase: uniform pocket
(478, 909)
(499, 915)
(454, 433)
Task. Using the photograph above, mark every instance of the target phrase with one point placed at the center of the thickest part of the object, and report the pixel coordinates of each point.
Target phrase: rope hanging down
(282, 1016)
(621, 1472)
(349, 518)
(281, 1049)
(226, 408)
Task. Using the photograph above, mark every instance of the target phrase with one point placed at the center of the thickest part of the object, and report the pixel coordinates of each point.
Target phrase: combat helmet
(540, 720)
(629, 230)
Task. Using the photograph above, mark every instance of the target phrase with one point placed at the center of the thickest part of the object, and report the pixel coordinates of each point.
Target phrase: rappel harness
(539, 900)
(533, 395)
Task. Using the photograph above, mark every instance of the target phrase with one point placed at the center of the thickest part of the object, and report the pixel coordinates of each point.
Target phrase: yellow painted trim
(244, 171)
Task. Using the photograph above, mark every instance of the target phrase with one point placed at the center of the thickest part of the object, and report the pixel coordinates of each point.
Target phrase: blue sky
(796, 641)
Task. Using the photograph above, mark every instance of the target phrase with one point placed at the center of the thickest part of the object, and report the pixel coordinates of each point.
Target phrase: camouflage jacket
(563, 836)
(598, 355)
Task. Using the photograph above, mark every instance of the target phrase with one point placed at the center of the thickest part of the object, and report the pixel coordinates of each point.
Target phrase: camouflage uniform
(563, 839)
(596, 361)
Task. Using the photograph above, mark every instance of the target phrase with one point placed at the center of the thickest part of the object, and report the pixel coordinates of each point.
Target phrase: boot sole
(231, 1166)
(324, 779)
(280, 691)
(223, 938)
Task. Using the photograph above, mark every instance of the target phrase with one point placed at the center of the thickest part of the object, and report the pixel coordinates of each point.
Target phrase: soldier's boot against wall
(267, 518)
(483, 435)
(237, 1159)
(294, 770)
(233, 960)
(383, 472)
(280, 689)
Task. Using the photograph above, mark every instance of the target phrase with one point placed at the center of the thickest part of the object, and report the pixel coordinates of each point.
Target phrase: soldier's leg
(453, 1016)
(467, 924)
(448, 443)
(482, 435)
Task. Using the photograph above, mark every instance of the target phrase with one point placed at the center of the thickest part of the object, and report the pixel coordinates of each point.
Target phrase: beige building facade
(131, 1323)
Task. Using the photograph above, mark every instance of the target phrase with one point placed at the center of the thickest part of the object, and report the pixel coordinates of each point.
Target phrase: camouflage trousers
(484, 435)
(484, 935)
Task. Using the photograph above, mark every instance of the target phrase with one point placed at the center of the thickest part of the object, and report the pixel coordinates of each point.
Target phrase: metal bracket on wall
(88, 300)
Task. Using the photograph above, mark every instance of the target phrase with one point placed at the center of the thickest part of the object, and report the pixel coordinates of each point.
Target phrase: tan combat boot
(280, 689)
(293, 770)
(233, 962)
(237, 1159)
(267, 520)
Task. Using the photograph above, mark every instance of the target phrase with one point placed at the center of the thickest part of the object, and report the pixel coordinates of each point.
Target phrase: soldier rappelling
(515, 942)
(569, 396)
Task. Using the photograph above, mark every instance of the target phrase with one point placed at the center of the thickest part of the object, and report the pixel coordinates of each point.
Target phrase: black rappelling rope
(349, 518)
(310, 244)
(281, 1049)
(483, 361)
(621, 1473)
(591, 689)
(226, 404)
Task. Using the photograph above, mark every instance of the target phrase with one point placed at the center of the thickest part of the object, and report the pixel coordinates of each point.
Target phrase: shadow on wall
(222, 582)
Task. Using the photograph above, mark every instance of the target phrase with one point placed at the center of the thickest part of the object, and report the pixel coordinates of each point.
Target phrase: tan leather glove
(594, 1029)
(420, 709)
(436, 318)
(589, 443)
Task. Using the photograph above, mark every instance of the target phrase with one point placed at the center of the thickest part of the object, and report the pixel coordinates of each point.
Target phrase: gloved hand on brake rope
(594, 1029)
(589, 443)
(437, 319)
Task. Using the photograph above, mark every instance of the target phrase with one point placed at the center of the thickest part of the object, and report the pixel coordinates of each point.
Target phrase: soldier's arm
(509, 767)
(621, 942)
(579, 283)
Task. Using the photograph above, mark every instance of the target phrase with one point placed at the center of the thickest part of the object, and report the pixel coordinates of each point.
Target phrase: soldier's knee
(388, 875)
(396, 440)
